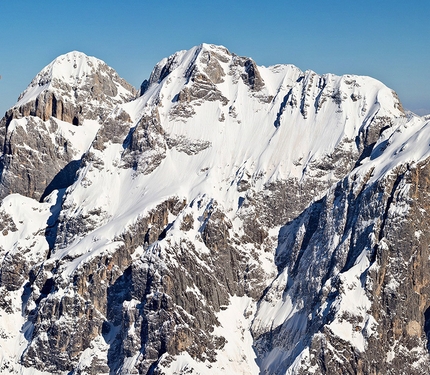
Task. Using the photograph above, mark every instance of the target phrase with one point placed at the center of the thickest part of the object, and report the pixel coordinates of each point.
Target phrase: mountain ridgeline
(227, 218)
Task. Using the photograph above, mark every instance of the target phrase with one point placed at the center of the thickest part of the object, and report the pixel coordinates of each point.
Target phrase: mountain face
(75, 89)
(228, 218)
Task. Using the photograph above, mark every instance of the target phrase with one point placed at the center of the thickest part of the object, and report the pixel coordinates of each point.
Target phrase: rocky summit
(227, 218)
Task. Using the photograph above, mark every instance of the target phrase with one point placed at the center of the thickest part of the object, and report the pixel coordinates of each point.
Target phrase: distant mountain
(227, 218)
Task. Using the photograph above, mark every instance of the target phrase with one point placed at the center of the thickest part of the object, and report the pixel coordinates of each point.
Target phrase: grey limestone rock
(151, 288)
(29, 148)
(32, 158)
(394, 280)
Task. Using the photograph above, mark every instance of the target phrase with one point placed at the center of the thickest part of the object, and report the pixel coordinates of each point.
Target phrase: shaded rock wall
(395, 280)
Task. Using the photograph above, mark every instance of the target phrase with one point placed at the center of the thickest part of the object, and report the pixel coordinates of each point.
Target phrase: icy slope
(213, 220)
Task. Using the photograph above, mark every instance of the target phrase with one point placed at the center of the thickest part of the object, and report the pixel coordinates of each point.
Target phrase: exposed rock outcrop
(233, 218)
(37, 150)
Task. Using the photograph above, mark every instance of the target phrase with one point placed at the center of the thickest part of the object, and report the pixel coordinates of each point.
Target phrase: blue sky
(388, 40)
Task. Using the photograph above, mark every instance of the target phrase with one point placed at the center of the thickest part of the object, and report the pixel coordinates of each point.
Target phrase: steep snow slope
(206, 229)
(351, 290)
(194, 146)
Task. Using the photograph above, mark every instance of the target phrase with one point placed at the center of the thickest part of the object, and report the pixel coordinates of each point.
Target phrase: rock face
(359, 299)
(68, 89)
(232, 218)
(39, 150)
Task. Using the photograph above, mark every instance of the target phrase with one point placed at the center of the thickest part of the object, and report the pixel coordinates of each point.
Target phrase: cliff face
(72, 88)
(231, 219)
(355, 264)
(41, 153)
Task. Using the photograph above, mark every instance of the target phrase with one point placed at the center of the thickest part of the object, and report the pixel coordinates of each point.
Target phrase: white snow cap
(67, 73)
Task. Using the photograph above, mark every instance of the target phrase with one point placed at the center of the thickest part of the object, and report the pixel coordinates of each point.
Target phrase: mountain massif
(225, 218)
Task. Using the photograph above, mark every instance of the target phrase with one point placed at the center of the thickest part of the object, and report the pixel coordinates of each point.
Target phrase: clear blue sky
(388, 40)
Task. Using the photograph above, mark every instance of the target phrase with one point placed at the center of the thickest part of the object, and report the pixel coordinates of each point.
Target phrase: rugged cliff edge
(228, 218)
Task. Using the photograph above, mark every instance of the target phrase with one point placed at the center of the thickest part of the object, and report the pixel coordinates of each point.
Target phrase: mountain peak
(213, 61)
(235, 218)
(75, 80)
(69, 68)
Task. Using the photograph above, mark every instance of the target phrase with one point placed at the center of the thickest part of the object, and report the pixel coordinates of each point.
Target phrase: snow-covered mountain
(228, 218)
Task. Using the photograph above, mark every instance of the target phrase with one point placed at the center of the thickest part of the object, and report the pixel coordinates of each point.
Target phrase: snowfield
(202, 164)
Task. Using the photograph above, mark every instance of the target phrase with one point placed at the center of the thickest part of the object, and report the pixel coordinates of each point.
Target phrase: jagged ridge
(197, 209)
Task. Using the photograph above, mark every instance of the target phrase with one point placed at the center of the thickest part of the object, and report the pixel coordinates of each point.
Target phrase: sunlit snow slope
(230, 218)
